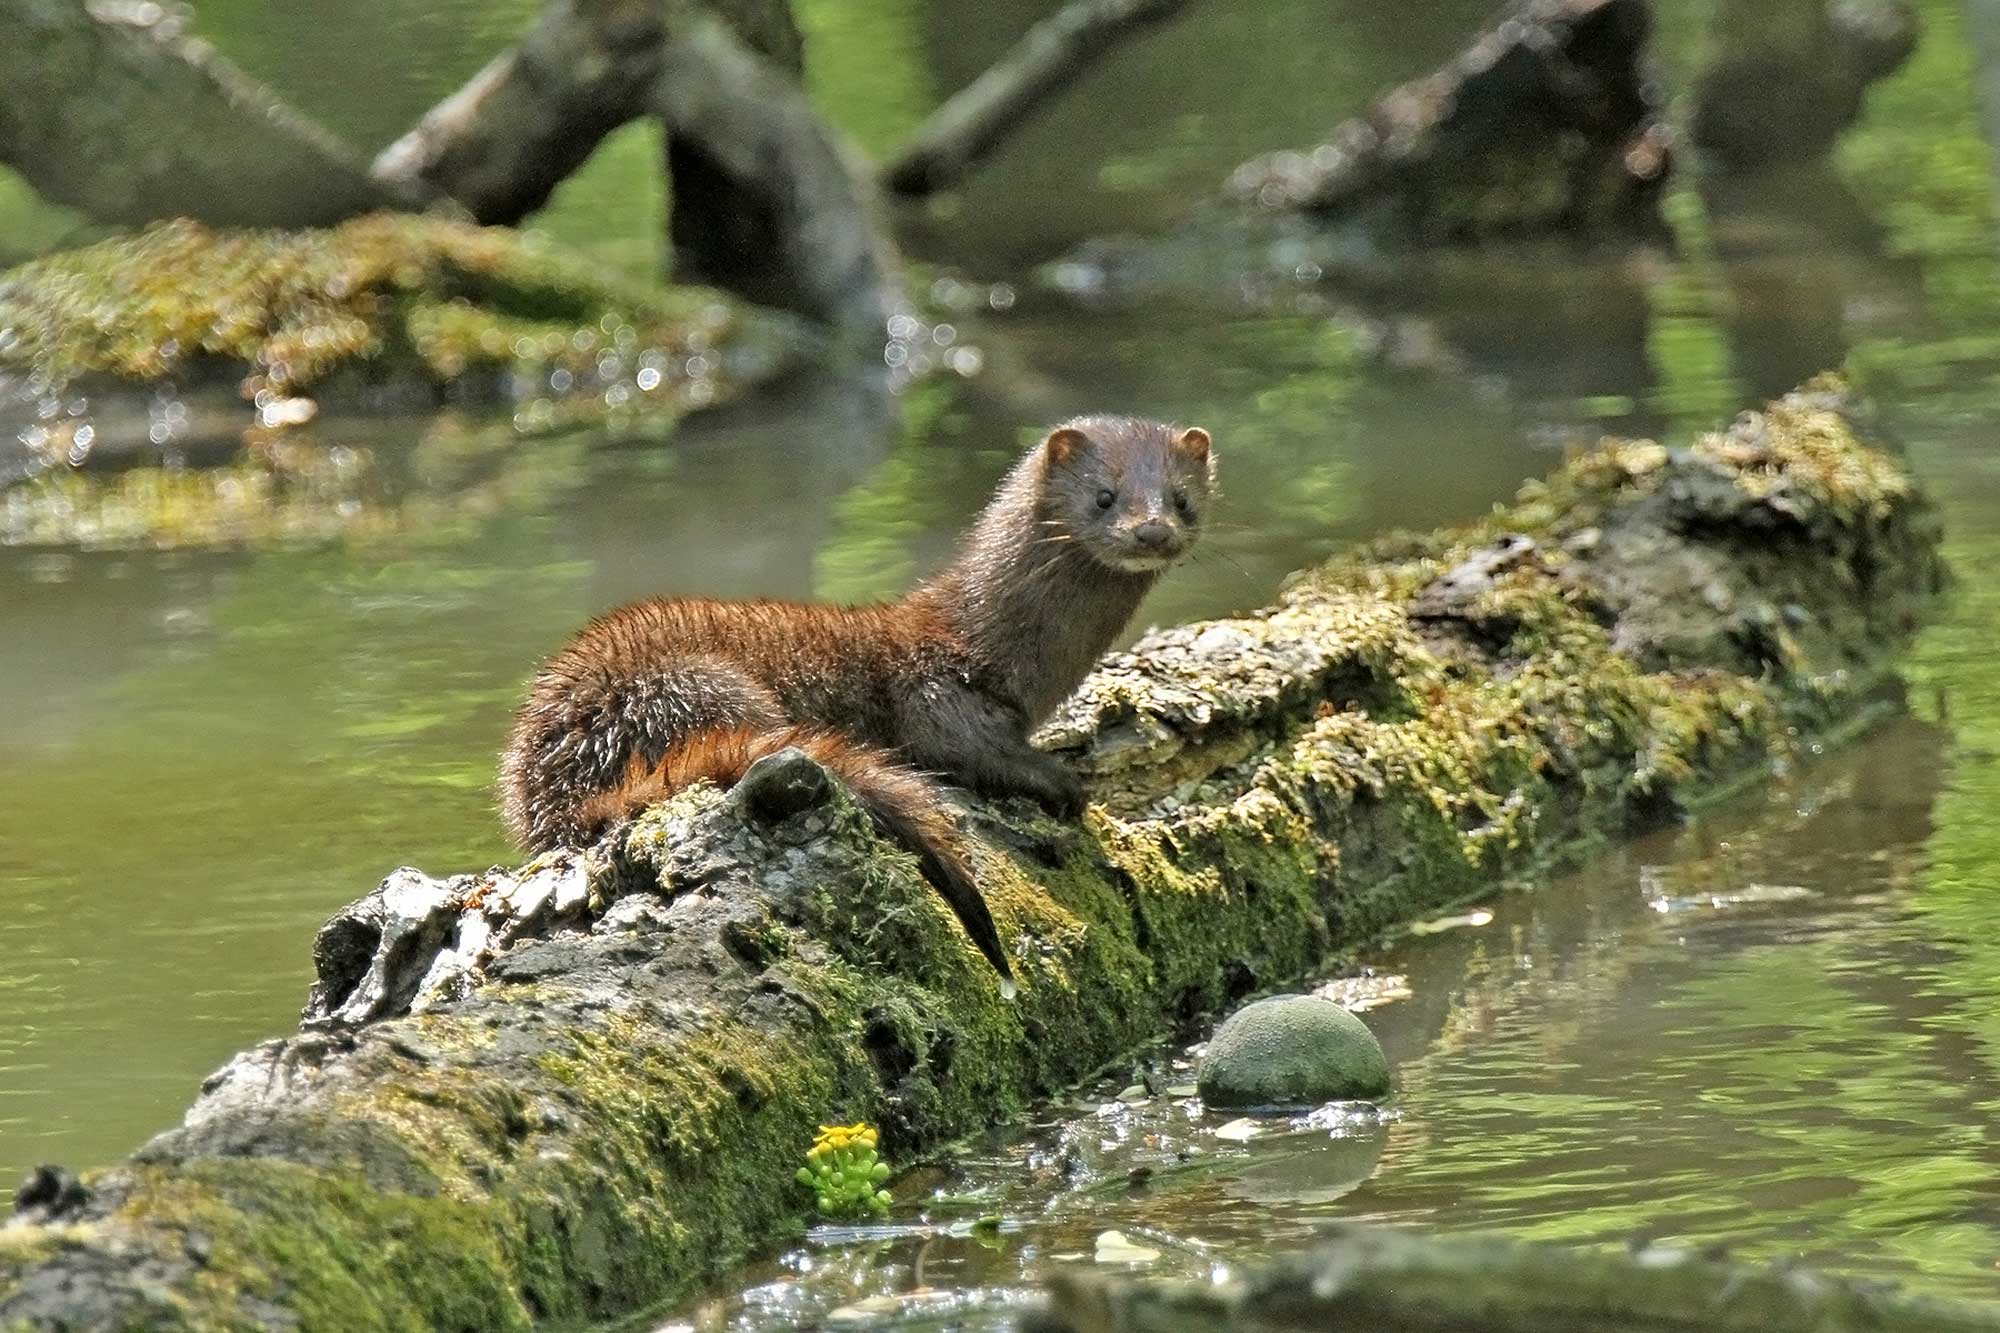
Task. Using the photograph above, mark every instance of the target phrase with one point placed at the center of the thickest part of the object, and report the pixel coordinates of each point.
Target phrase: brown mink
(948, 680)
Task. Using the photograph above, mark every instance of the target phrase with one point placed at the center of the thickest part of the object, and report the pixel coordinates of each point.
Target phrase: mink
(948, 681)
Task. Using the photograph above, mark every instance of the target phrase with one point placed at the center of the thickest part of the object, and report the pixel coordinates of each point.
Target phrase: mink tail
(906, 806)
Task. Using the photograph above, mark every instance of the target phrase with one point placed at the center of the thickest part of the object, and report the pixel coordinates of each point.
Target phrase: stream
(1776, 1027)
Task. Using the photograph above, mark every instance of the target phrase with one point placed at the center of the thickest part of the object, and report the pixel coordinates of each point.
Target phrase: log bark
(110, 110)
(573, 1090)
(1053, 53)
(1369, 1277)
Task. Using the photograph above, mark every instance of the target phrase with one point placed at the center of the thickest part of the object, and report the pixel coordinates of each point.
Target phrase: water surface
(206, 751)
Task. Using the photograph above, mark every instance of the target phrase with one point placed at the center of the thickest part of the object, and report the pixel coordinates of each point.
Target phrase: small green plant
(843, 1174)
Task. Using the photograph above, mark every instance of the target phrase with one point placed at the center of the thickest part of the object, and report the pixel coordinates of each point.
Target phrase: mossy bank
(577, 1089)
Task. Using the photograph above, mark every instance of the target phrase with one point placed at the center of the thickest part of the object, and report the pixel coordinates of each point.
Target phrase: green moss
(697, 1123)
(327, 1247)
(385, 296)
(1411, 760)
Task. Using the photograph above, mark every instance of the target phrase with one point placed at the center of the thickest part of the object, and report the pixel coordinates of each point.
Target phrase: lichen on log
(577, 1089)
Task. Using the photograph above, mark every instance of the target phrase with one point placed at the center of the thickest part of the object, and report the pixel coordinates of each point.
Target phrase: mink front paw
(1064, 794)
(1047, 782)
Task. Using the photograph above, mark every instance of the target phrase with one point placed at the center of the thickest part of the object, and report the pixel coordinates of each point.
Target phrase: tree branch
(112, 111)
(766, 202)
(1054, 53)
(502, 143)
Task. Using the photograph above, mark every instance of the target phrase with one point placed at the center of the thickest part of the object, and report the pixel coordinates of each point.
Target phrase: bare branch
(1054, 53)
(502, 143)
(766, 202)
(112, 111)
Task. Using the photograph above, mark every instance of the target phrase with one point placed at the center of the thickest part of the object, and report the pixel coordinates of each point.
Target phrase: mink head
(1130, 492)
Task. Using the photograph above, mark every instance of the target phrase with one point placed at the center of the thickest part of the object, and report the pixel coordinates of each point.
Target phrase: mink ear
(1064, 443)
(1192, 444)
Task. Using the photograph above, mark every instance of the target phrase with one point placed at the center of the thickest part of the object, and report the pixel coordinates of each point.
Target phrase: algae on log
(383, 302)
(576, 1089)
(1371, 1277)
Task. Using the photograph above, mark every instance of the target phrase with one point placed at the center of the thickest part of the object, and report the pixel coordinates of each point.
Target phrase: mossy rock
(1292, 1050)
(391, 297)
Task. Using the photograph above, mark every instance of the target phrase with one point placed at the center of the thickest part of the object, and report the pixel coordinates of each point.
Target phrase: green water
(206, 751)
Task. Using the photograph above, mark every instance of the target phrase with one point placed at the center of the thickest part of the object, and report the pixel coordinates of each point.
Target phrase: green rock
(1292, 1050)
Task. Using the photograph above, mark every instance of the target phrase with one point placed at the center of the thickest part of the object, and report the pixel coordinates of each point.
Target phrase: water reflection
(207, 750)
(1773, 1071)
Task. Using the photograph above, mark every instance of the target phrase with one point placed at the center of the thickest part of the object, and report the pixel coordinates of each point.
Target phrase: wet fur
(950, 679)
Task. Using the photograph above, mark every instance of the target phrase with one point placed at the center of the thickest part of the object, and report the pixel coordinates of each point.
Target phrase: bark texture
(571, 1090)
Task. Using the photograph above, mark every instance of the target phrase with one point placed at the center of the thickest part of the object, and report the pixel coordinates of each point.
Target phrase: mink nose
(1153, 535)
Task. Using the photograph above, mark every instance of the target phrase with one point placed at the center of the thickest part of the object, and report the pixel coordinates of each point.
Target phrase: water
(209, 749)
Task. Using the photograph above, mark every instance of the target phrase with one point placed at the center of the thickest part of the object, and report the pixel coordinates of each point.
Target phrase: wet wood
(111, 109)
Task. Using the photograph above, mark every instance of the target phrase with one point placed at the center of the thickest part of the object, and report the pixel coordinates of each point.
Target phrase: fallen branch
(1545, 121)
(1055, 52)
(766, 202)
(574, 1090)
(503, 142)
(110, 110)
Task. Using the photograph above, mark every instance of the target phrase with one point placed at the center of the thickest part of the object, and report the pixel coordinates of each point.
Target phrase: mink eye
(1181, 503)
(1105, 497)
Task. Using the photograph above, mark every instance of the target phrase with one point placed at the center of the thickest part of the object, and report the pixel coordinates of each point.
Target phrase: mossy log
(1366, 1277)
(580, 1088)
(415, 311)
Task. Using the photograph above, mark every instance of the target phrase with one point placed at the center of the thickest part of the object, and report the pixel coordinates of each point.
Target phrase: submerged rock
(1292, 1050)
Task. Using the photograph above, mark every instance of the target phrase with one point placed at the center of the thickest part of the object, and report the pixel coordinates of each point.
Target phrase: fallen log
(110, 109)
(384, 308)
(1368, 1277)
(767, 201)
(576, 1089)
(502, 143)
(1793, 76)
(1545, 122)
